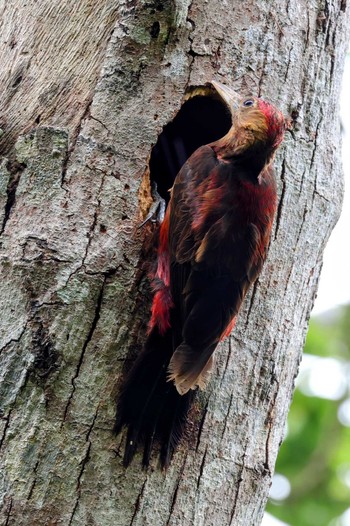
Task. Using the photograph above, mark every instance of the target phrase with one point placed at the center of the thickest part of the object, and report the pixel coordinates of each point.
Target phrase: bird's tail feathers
(190, 368)
(148, 406)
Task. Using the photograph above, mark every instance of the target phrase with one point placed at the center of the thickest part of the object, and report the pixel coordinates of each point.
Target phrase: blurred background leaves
(312, 482)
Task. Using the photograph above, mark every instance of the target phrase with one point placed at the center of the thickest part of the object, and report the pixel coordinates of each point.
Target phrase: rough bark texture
(85, 90)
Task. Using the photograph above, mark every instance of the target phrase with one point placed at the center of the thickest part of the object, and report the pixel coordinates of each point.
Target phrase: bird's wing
(184, 240)
(215, 256)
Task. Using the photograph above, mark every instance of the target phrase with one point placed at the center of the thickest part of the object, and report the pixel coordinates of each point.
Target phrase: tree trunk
(86, 89)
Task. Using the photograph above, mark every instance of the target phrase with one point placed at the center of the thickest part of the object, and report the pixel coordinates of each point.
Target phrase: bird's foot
(157, 209)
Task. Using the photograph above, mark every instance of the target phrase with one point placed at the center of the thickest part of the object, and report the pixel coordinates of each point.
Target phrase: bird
(212, 244)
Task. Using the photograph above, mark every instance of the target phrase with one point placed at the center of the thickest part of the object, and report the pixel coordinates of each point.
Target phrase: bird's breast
(257, 203)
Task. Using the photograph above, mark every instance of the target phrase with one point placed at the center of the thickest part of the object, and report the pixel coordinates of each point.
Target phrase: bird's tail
(190, 368)
(149, 406)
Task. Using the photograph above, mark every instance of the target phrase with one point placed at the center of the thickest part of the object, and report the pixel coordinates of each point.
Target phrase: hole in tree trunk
(203, 118)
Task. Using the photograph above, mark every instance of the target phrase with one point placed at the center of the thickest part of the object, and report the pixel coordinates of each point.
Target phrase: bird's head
(257, 126)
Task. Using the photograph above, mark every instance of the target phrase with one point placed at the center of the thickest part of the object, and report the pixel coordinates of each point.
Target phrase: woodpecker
(212, 246)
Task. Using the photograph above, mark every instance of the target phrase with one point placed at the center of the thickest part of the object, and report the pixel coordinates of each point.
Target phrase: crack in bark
(137, 503)
(7, 424)
(328, 25)
(191, 51)
(283, 194)
(307, 38)
(173, 500)
(73, 512)
(15, 340)
(261, 78)
(94, 221)
(331, 71)
(82, 469)
(201, 424)
(238, 486)
(287, 280)
(269, 421)
(301, 186)
(251, 304)
(83, 464)
(92, 425)
(288, 63)
(8, 515)
(323, 197)
(201, 469)
(302, 223)
(227, 416)
(74, 140)
(15, 169)
(267, 470)
(85, 345)
(315, 142)
(100, 122)
(227, 360)
(34, 481)
(288, 13)
(313, 156)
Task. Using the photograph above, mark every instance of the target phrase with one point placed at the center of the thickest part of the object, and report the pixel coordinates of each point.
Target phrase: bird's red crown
(276, 122)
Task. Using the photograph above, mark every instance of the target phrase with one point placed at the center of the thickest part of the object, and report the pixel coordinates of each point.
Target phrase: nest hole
(203, 118)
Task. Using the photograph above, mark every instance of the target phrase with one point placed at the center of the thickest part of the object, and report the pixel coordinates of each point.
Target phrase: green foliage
(315, 456)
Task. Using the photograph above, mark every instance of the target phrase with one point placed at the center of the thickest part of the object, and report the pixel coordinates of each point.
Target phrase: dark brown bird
(212, 246)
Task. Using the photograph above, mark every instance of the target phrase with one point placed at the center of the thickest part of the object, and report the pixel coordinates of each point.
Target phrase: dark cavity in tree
(201, 119)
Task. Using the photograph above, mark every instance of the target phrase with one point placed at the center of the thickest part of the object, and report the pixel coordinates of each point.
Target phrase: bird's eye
(248, 102)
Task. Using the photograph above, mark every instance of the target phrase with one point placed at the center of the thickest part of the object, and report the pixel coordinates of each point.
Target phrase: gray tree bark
(86, 88)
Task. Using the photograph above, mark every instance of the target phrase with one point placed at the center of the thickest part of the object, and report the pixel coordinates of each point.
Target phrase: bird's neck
(248, 161)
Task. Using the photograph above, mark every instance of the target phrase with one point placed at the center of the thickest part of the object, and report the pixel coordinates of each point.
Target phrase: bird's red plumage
(276, 123)
(212, 245)
(254, 204)
(163, 267)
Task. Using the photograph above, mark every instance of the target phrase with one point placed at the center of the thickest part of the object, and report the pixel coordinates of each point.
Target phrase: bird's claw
(156, 212)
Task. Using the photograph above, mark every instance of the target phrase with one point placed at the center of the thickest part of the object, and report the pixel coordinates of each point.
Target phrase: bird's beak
(228, 95)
